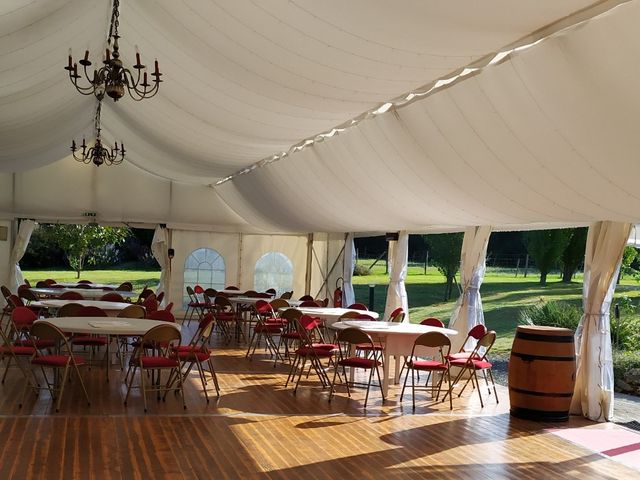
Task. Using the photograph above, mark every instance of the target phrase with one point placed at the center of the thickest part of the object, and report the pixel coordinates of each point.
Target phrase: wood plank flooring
(259, 429)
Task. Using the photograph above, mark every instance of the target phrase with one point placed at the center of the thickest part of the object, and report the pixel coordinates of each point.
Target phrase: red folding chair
(353, 337)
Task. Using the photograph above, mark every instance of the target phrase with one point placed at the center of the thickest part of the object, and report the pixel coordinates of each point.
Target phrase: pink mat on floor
(619, 443)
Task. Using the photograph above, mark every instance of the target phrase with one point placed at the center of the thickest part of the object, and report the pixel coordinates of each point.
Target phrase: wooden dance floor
(259, 429)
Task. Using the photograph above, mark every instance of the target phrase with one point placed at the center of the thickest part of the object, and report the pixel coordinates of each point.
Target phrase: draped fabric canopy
(468, 310)
(160, 251)
(247, 80)
(19, 248)
(593, 393)
(397, 293)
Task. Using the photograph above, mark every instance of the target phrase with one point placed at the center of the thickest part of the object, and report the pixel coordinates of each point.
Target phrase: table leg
(385, 373)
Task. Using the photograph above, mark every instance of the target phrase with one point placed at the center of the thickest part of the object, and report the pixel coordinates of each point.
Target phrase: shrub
(552, 314)
(626, 335)
(623, 361)
(361, 270)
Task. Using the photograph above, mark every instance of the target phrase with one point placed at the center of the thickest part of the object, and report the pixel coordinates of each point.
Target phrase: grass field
(503, 294)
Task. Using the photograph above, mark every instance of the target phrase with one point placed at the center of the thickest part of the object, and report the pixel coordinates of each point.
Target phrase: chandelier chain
(96, 120)
(115, 22)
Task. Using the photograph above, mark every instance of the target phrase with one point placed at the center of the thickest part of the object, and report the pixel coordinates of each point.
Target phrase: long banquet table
(88, 293)
(330, 315)
(398, 339)
(112, 308)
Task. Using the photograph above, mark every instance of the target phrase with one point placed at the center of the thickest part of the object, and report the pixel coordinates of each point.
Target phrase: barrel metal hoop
(541, 394)
(544, 338)
(529, 358)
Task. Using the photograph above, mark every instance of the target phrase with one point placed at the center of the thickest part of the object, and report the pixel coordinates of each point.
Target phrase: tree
(85, 244)
(545, 247)
(573, 254)
(444, 252)
(628, 256)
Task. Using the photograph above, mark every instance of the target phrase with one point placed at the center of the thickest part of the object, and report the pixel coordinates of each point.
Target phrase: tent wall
(5, 252)
(240, 253)
(67, 189)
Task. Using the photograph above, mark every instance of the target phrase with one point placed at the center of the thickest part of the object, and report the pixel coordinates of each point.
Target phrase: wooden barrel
(542, 373)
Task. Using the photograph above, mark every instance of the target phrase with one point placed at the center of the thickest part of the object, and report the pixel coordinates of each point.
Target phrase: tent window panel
(204, 267)
(273, 270)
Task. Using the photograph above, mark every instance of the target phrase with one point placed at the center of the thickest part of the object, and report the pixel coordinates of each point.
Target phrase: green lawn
(138, 278)
(503, 296)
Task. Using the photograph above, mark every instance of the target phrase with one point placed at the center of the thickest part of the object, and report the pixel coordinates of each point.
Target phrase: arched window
(204, 267)
(273, 270)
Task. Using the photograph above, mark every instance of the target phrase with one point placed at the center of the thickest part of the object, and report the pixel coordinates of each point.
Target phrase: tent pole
(307, 274)
(239, 277)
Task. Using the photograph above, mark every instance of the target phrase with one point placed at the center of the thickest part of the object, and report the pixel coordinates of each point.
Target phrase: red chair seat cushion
(56, 360)
(89, 340)
(427, 365)
(475, 364)
(325, 346)
(17, 350)
(40, 344)
(155, 362)
(320, 352)
(192, 356)
(358, 362)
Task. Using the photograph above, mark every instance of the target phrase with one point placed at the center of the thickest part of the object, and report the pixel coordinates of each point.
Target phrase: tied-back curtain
(468, 310)
(593, 392)
(19, 247)
(348, 297)
(160, 251)
(397, 293)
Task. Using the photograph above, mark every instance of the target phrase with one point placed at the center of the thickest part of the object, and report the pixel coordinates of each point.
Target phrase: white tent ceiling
(544, 138)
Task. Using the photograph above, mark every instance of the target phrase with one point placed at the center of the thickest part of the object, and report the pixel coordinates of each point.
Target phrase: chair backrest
(272, 291)
(201, 336)
(71, 296)
(231, 287)
(69, 310)
(211, 293)
(251, 293)
(50, 281)
(349, 316)
(191, 293)
(477, 332)
(161, 315)
(27, 283)
(263, 308)
(433, 340)
(44, 330)
(85, 286)
(125, 287)
(323, 302)
(42, 284)
(307, 326)
(23, 317)
(309, 303)
(277, 303)
(91, 312)
(291, 314)
(144, 294)
(358, 306)
(397, 316)
(198, 290)
(223, 304)
(487, 341)
(150, 304)
(169, 307)
(112, 297)
(354, 335)
(304, 298)
(160, 297)
(132, 311)
(6, 293)
(15, 301)
(263, 295)
(85, 281)
(287, 295)
(432, 322)
(161, 335)
(28, 295)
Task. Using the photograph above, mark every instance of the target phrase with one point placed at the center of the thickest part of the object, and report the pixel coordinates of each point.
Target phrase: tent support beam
(307, 273)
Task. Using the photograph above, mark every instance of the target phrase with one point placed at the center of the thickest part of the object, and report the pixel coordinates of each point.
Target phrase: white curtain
(19, 247)
(160, 250)
(593, 393)
(397, 293)
(348, 297)
(468, 310)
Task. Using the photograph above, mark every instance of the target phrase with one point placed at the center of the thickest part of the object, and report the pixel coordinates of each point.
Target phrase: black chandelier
(98, 154)
(113, 79)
